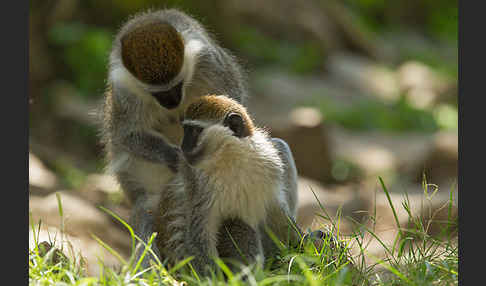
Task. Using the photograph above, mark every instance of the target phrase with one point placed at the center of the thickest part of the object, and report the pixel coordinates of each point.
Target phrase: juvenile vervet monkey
(233, 176)
(160, 62)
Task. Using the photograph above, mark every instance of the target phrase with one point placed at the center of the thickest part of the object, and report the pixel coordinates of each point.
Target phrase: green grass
(366, 114)
(415, 258)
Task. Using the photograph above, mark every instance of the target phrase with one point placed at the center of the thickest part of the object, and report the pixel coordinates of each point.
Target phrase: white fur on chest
(248, 203)
(151, 176)
(244, 176)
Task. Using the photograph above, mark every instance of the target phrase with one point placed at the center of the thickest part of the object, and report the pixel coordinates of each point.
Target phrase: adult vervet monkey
(160, 62)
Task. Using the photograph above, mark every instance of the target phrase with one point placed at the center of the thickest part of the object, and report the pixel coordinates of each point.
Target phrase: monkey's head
(222, 144)
(215, 124)
(153, 52)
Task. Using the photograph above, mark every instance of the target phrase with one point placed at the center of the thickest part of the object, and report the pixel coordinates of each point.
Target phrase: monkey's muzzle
(189, 142)
(169, 99)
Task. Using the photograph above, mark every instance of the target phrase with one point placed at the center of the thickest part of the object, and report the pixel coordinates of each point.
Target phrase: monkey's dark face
(171, 98)
(153, 52)
(202, 138)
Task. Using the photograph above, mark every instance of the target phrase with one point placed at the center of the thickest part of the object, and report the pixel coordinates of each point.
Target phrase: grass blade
(132, 234)
(393, 210)
(109, 249)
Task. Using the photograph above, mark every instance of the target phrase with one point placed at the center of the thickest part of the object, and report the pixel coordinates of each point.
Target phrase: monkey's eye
(235, 122)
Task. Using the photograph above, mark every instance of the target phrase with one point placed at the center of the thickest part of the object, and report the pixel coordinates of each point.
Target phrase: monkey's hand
(153, 148)
(142, 221)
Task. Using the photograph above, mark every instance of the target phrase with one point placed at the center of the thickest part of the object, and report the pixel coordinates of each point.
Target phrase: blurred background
(360, 89)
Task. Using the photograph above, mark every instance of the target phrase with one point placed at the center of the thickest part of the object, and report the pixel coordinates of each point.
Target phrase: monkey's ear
(235, 122)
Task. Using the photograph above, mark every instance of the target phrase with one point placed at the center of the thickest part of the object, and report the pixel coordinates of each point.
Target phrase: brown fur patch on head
(216, 107)
(153, 52)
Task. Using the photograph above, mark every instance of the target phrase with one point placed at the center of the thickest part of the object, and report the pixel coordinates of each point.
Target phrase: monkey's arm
(279, 216)
(143, 223)
(287, 210)
(152, 148)
(129, 132)
(290, 174)
(199, 239)
(281, 219)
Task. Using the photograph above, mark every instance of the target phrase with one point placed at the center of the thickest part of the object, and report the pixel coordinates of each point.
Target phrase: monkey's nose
(169, 99)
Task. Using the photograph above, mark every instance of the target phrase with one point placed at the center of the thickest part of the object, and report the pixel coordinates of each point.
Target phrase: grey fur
(143, 222)
(281, 220)
(151, 148)
(129, 131)
(238, 243)
(198, 239)
(290, 174)
(251, 243)
(125, 129)
(217, 70)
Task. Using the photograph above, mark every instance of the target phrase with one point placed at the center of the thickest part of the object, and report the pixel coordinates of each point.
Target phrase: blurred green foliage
(343, 170)
(85, 50)
(435, 18)
(80, 45)
(433, 60)
(373, 114)
(74, 43)
(263, 50)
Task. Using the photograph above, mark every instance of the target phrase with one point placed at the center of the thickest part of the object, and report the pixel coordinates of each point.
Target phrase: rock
(400, 158)
(102, 183)
(416, 75)
(80, 218)
(83, 250)
(306, 117)
(97, 188)
(421, 84)
(305, 134)
(440, 164)
(377, 153)
(41, 180)
(343, 198)
(276, 107)
(364, 75)
(421, 98)
(56, 256)
(288, 19)
(402, 45)
(431, 208)
(328, 25)
(49, 151)
(276, 93)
